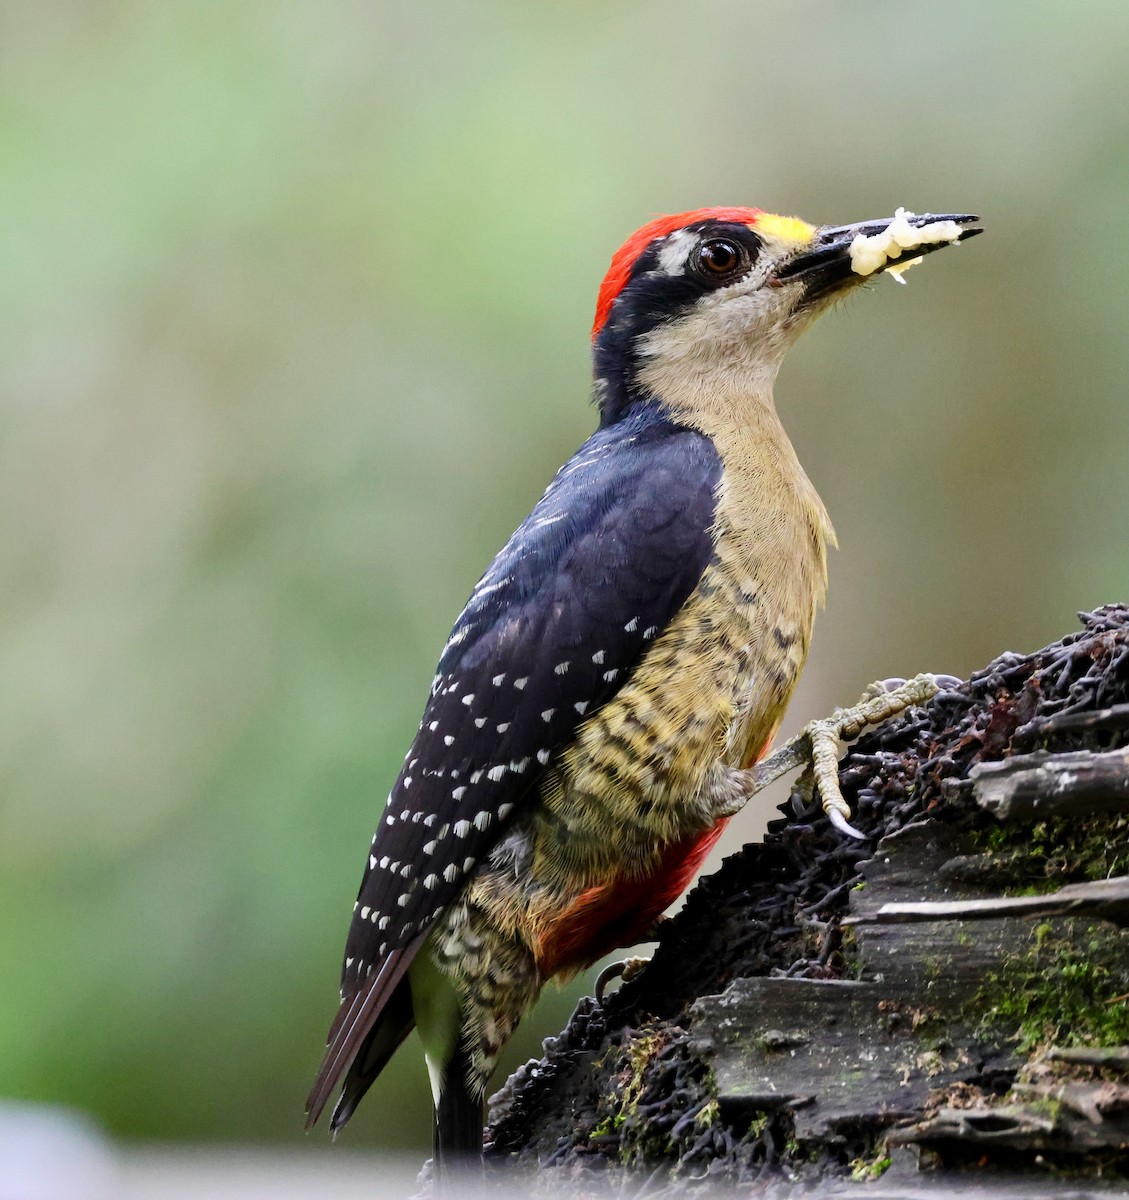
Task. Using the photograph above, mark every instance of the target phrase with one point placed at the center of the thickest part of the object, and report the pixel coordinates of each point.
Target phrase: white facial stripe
(676, 250)
(729, 344)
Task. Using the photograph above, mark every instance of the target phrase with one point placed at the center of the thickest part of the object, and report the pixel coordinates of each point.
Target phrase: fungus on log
(950, 995)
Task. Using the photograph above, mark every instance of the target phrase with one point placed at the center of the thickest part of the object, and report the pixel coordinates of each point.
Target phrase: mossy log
(949, 996)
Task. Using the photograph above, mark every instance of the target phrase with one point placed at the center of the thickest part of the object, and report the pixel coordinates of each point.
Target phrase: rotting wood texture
(805, 1015)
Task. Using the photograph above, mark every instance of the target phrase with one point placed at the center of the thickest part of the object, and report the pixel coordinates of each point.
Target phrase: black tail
(396, 1022)
(458, 1124)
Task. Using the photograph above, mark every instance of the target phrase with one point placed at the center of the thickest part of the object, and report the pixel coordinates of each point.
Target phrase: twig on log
(1107, 899)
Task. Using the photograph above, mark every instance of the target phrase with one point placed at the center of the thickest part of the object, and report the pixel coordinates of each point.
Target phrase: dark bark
(950, 994)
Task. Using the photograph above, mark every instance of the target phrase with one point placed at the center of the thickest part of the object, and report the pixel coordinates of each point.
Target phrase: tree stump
(949, 996)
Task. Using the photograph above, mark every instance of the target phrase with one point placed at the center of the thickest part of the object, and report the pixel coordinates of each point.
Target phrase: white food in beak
(870, 254)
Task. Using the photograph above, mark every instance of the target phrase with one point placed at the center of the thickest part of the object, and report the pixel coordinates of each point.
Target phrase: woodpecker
(621, 666)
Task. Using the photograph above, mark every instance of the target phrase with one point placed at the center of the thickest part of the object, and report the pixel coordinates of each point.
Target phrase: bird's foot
(817, 746)
(826, 737)
(626, 970)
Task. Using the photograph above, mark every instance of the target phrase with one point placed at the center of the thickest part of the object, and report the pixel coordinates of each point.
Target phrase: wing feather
(550, 633)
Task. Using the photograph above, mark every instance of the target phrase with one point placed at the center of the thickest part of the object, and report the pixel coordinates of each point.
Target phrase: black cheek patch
(652, 298)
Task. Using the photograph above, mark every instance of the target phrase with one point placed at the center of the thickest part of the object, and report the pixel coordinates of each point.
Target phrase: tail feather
(356, 1019)
(458, 1119)
(396, 1022)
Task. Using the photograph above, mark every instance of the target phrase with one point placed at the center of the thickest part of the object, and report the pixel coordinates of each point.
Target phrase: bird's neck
(731, 400)
(773, 518)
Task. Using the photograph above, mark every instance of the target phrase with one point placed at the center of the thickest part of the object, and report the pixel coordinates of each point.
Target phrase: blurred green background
(294, 309)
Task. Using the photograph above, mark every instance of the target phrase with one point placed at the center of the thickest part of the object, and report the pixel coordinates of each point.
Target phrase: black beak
(825, 265)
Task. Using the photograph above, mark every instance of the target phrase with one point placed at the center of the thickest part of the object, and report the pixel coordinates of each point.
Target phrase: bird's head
(708, 301)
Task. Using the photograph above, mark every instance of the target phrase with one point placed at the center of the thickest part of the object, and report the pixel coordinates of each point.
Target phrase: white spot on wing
(458, 636)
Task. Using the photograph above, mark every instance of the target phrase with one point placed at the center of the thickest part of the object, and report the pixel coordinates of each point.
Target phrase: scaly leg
(817, 747)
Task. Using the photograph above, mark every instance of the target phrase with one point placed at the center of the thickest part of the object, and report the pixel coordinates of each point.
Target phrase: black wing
(607, 557)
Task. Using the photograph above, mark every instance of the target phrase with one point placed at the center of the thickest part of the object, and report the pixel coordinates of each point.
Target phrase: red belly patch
(620, 912)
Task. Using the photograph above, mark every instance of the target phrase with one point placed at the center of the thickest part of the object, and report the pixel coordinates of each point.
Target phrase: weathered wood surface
(1044, 784)
(951, 994)
(880, 1049)
(828, 1050)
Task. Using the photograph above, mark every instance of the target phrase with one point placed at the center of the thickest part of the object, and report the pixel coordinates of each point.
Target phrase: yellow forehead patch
(791, 231)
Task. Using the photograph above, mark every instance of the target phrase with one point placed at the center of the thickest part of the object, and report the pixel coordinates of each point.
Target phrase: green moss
(1044, 855)
(1066, 989)
(620, 1104)
(867, 1170)
(709, 1115)
(849, 952)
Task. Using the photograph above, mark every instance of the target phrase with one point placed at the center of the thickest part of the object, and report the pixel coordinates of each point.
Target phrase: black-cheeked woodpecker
(617, 672)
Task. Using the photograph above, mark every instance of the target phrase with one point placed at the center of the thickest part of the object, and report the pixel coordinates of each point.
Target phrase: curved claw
(626, 969)
(843, 825)
(611, 971)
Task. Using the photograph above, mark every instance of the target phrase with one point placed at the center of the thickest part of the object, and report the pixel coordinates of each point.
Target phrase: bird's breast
(625, 813)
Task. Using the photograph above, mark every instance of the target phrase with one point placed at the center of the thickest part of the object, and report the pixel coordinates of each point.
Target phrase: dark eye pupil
(719, 257)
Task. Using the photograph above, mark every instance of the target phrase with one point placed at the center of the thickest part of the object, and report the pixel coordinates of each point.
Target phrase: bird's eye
(719, 260)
